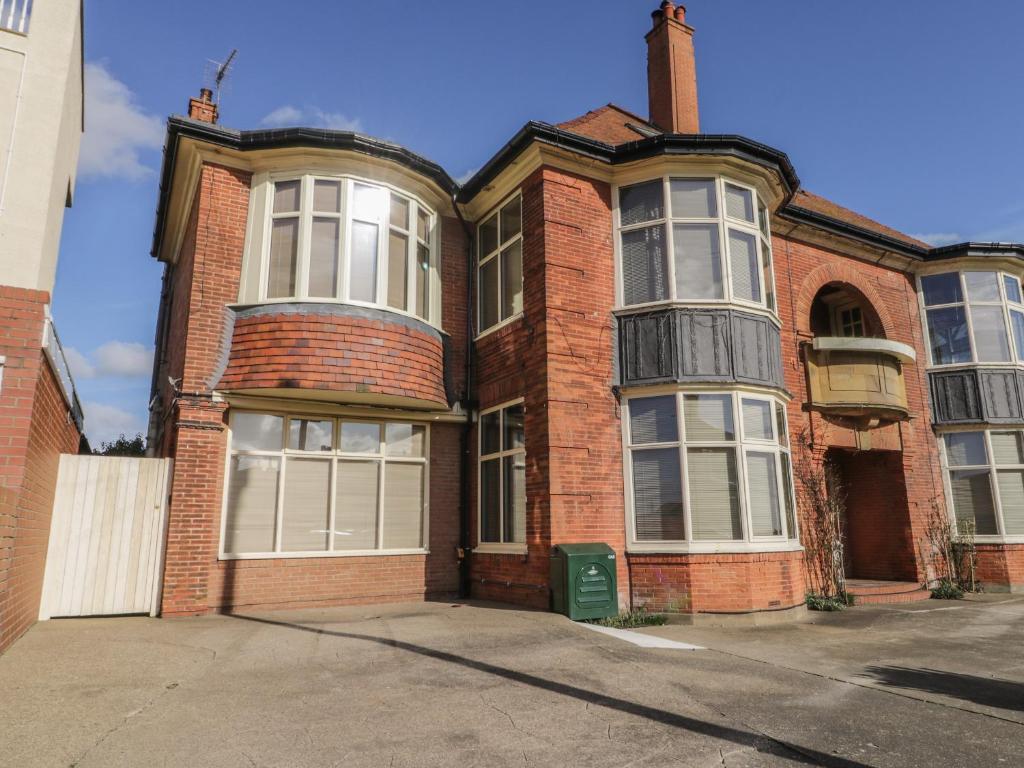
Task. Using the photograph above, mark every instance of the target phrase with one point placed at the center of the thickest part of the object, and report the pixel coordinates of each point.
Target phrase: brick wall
(1001, 567)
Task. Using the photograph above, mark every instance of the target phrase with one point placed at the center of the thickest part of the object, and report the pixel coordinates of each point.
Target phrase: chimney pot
(667, 8)
(681, 14)
(205, 95)
(203, 108)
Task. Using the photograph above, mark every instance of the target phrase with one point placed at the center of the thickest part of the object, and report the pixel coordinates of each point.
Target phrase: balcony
(858, 377)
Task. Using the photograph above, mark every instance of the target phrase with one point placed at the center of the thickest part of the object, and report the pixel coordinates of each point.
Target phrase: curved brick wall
(1001, 567)
(339, 349)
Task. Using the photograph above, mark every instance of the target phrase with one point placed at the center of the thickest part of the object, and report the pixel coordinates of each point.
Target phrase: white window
(319, 485)
(502, 475)
(985, 476)
(974, 317)
(710, 243)
(341, 238)
(500, 264)
(708, 467)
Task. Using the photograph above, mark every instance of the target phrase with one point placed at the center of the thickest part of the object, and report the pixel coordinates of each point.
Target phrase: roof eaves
(845, 229)
(990, 250)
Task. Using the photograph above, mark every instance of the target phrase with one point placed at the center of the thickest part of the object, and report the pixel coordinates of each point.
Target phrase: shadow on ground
(989, 692)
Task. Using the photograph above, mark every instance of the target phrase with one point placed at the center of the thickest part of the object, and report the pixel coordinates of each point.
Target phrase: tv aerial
(217, 75)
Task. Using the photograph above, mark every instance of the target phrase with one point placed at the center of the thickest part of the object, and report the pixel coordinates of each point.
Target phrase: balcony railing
(858, 377)
(55, 354)
(15, 15)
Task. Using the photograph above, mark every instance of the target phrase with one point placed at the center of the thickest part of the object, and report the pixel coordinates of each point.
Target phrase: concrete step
(872, 592)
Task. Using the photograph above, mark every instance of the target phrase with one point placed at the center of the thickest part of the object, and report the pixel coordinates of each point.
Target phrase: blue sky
(908, 112)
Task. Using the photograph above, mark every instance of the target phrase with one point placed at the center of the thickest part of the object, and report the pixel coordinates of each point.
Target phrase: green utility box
(583, 581)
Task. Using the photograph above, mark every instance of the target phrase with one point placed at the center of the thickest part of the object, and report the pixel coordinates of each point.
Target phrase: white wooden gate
(107, 537)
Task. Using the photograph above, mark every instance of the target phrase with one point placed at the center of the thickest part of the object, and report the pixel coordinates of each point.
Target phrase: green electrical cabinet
(583, 581)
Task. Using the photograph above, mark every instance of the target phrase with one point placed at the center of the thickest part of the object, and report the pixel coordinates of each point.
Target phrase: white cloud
(286, 115)
(115, 359)
(79, 364)
(312, 117)
(467, 175)
(939, 238)
(117, 130)
(105, 423)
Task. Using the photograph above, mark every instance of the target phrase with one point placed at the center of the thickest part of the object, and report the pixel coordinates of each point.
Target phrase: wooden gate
(106, 537)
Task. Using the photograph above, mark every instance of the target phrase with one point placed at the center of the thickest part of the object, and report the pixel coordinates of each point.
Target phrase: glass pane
(363, 272)
(739, 203)
(488, 237)
(399, 216)
(490, 501)
(513, 435)
(698, 261)
(1007, 448)
(941, 289)
(252, 502)
(323, 258)
(286, 196)
(965, 449)
(326, 196)
(787, 490)
(422, 281)
(355, 505)
(714, 493)
(398, 269)
(644, 265)
(405, 439)
(757, 419)
(514, 468)
(653, 420)
(367, 202)
(310, 435)
(1017, 323)
(780, 424)
(1012, 288)
(307, 497)
(657, 495)
(490, 433)
(762, 218)
(511, 219)
(284, 253)
(256, 432)
(693, 198)
(767, 276)
(1011, 499)
(708, 417)
(422, 225)
(972, 500)
(746, 279)
(359, 437)
(512, 280)
(982, 286)
(403, 506)
(641, 202)
(765, 515)
(990, 342)
(489, 294)
(947, 335)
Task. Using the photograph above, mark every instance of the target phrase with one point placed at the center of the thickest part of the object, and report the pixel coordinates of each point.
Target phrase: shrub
(947, 590)
(631, 619)
(823, 603)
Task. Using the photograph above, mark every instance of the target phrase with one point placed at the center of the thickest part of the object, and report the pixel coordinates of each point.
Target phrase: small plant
(947, 590)
(631, 619)
(951, 554)
(823, 603)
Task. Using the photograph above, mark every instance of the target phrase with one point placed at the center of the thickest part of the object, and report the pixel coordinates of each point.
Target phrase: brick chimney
(203, 108)
(672, 71)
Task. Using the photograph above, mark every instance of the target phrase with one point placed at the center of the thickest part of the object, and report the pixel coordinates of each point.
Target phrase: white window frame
(346, 217)
(502, 547)
(760, 229)
(741, 445)
(495, 255)
(334, 456)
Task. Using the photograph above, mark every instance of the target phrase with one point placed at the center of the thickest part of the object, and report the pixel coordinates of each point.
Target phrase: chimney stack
(672, 71)
(203, 108)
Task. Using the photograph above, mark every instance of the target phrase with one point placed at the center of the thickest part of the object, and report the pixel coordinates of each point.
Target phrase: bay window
(318, 485)
(985, 476)
(502, 475)
(500, 265)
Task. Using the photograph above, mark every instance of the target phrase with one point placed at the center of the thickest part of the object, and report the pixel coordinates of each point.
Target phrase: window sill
(651, 306)
(1011, 539)
(500, 549)
(498, 327)
(307, 555)
(712, 547)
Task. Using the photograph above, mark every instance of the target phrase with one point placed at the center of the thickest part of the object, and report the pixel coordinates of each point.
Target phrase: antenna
(217, 74)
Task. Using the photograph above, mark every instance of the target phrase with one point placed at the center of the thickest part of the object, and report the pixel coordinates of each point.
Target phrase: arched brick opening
(848, 277)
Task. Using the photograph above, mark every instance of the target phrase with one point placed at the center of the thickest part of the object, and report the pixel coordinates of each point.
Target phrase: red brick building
(378, 384)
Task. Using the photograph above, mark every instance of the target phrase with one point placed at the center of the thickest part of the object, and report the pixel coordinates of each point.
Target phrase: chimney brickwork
(672, 71)
(203, 108)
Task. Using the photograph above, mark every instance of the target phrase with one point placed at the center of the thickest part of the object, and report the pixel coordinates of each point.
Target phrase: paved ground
(935, 684)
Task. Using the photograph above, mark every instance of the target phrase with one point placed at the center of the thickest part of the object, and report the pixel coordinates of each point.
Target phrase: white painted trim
(493, 548)
(496, 255)
(496, 547)
(899, 350)
(339, 553)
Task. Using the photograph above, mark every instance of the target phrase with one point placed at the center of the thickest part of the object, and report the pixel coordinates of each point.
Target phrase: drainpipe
(465, 544)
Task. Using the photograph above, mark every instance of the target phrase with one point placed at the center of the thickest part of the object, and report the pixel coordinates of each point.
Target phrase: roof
(610, 124)
(808, 201)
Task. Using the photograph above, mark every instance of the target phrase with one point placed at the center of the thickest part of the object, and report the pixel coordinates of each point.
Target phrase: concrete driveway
(934, 684)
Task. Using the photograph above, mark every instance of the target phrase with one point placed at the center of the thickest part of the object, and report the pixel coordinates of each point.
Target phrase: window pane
(422, 225)
(367, 202)
(762, 218)
(309, 435)
(490, 501)
(514, 468)
(780, 425)
(1007, 448)
(284, 252)
(964, 449)
(653, 420)
(982, 286)
(1011, 499)
(693, 198)
(252, 501)
(511, 219)
(489, 294)
(657, 495)
(363, 272)
(490, 432)
(941, 289)
(708, 417)
(746, 281)
(739, 203)
(422, 281)
(355, 505)
(641, 202)
(359, 437)
(405, 439)
(513, 431)
(323, 258)
(644, 265)
(1012, 288)
(766, 275)
(326, 196)
(399, 216)
(714, 496)
(403, 506)
(765, 515)
(256, 432)
(990, 342)
(488, 236)
(306, 505)
(1017, 322)
(787, 490)
(698, 261)
(972, 500)
(286, 196)
(757, 419)
(947, 335)
(398, 269)
(512, 280)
